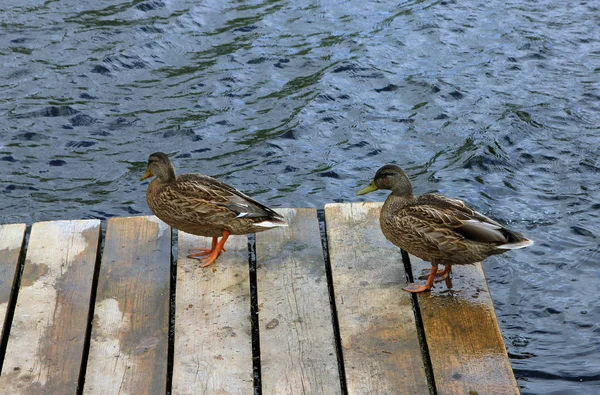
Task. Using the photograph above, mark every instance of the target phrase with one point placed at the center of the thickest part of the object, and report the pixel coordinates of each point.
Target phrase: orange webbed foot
(200, 252)
(196, 252)
(213, 253)
(210, 259)
(414, 288)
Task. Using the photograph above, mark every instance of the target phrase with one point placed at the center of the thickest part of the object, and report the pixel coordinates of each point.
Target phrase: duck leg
(439, 276)
(444, 274)
(213, 253)
(196, 252)
(414, 288)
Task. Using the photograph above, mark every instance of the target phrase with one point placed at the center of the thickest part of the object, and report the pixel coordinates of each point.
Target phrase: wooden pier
(114, 312)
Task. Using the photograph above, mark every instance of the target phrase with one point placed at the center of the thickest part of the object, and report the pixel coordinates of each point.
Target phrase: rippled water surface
(299, 102)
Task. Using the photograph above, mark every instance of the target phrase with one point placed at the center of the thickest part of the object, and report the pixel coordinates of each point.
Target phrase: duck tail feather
(516, 245)
(271, 224)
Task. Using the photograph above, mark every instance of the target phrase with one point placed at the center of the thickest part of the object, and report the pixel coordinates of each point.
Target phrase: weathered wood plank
(380, 343)
(11, 242)
(467, 352)
(296, 333)
(213, 340)
(46, 342)
(128, 350)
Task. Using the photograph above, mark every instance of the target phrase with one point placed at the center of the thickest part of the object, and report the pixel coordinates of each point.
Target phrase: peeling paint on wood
(128, 348)
(48, 331)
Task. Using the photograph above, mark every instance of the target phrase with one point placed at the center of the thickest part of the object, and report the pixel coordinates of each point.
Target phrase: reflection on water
(298, 103)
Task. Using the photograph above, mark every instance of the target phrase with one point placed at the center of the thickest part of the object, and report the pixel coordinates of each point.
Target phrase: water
(299, 102)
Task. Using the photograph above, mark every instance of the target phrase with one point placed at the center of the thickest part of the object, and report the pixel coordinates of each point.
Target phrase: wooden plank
(128, 349)
(467, 352)
(46, 343)
(296, 334)
(213, 340)
(380, 344)
(11, 243)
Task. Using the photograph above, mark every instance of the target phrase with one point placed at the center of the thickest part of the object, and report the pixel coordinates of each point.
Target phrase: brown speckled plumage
(438, 229)
(202, 205)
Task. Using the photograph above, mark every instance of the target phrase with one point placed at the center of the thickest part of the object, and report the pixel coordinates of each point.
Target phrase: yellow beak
(147, 174)
(369, 188)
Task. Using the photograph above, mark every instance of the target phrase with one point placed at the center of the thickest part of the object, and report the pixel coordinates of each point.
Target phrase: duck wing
(449, 223)
(196, 190)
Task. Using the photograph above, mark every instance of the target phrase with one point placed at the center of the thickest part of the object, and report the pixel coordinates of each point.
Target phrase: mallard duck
(204, 206)
(437, 229)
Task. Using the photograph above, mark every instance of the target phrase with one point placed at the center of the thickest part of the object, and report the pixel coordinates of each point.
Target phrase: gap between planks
(293, 299)
(43, 351)
(12, 255)
(377, 326)
(450, 379)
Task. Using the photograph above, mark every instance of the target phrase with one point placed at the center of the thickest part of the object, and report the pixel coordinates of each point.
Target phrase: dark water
(299, 102)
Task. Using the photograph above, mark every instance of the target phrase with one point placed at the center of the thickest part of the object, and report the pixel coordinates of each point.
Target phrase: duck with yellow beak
(437, 229)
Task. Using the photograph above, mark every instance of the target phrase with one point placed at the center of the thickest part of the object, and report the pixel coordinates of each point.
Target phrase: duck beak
(147, 174)
(370, 188)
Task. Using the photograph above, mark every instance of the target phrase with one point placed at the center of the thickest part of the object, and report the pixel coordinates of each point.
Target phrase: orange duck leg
(414, 288)
(213, 253)
(439, 276)
(196, 252)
